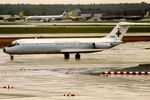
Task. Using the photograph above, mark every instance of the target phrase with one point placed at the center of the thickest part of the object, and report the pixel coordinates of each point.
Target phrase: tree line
(49, 9)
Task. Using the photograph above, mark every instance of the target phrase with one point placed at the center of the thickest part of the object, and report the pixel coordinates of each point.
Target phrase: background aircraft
(78, 18)
(14, 17)
(47, 18)
(111, 17)
(146, 16)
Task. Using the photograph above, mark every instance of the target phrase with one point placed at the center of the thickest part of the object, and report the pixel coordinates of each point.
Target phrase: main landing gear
(77, 56)
(11, 57)
(67, 56)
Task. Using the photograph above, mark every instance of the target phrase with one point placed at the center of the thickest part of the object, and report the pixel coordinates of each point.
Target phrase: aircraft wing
(80, 50)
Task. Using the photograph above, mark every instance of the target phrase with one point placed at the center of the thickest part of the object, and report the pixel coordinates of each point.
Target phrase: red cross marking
(118, 33)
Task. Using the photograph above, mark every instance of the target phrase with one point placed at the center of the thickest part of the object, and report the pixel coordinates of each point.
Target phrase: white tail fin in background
(65, 12)
(147, 14)
(121, 28)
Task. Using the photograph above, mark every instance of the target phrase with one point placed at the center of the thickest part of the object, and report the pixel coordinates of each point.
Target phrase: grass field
(67, 29)
(63, 27)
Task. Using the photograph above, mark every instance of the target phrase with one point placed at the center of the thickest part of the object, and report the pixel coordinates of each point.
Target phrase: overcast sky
(70, 1)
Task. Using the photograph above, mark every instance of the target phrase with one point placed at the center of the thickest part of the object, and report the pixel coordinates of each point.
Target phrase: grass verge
(96, 29)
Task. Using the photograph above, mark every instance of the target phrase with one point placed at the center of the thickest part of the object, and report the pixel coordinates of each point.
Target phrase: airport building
(95, 14)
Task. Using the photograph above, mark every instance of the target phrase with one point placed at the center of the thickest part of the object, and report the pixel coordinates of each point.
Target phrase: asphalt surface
(49, 77)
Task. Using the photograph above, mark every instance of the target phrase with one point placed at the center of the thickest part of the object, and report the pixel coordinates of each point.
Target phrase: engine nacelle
(102, 45)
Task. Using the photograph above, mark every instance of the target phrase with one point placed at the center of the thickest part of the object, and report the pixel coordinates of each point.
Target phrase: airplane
(111, 17)
(67, 46)
(47, 18)
(133, 18)
(137, 17)
(14, 17)
(78, 18)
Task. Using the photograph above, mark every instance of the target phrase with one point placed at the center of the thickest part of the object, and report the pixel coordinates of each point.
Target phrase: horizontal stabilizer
(80, 50)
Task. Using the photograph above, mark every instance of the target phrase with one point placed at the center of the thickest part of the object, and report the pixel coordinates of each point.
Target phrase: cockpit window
(13, 44)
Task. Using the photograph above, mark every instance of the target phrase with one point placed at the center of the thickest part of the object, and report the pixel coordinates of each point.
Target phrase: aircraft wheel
(11, 57)
(66, 55)
(77, 56)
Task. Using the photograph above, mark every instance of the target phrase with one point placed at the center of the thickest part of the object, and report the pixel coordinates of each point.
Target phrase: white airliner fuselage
(69, 45)
(47, 18)
(51, 46)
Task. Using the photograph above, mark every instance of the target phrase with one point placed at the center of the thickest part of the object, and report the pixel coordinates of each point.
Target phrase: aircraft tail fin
(147, 14)
(65, 12)
(69, 13)
(21, 14)
(121, 28)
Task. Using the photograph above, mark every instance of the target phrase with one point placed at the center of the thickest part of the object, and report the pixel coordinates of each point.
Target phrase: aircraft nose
(4, 50)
